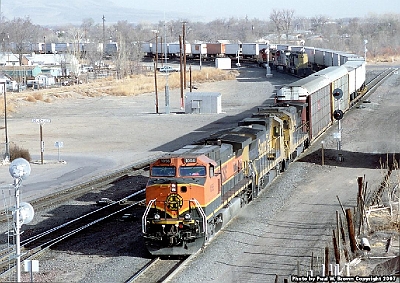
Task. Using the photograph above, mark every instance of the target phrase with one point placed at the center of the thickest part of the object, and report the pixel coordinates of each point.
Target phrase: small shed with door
(203, 102)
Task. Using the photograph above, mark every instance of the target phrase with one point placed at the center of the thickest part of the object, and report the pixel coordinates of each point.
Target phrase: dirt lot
(105, 132)
(295, 217)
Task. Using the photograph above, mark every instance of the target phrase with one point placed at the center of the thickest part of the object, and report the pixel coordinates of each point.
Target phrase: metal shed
(203, 102)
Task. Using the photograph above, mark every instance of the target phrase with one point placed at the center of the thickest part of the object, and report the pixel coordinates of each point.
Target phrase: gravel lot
(295, 216)
(273, 235)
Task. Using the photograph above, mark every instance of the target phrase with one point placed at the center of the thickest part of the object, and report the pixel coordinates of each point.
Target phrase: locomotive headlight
(173, 188)
(156, 216)
(187, 216)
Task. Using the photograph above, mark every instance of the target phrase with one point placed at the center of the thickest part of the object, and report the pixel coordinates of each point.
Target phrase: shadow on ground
(343, 158)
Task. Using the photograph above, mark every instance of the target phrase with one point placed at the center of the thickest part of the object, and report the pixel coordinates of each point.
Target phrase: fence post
(350, 226)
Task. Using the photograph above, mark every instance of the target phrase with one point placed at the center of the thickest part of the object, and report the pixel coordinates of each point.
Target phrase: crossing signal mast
(338, 115)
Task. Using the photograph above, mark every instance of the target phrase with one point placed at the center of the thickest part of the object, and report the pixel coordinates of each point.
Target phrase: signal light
(338, 114)
(337, 93)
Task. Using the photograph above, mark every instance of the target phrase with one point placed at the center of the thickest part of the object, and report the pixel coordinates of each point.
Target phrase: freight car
(315, 92)
(194, 191)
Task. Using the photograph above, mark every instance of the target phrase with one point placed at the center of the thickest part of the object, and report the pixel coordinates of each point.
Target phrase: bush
(17, 152)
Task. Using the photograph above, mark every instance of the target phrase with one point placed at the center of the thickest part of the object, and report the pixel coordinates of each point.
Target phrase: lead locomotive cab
(175, 222)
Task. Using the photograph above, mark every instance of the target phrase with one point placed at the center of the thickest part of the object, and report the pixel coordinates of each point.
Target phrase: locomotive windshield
(163, 171)
(185, 171)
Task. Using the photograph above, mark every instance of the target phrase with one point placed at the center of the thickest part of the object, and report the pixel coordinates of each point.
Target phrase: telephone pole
(104, 34)
(184, 53)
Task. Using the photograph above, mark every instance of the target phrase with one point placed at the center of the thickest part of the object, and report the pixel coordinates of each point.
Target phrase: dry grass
(18, 152)
(383, 59)
(134, 85)
(10, 106)
(37, 96)
(145, 83)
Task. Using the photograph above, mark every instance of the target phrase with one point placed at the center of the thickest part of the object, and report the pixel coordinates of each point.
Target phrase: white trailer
(232, 49)
(61, 47)
(146, 48)
(159, 48)
(174, 49)
(199, 49)
(250, 50)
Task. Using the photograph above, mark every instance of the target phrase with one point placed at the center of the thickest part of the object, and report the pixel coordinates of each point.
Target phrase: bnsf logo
(174, 202)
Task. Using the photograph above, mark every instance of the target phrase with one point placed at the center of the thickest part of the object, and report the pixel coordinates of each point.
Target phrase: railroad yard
(275, 235)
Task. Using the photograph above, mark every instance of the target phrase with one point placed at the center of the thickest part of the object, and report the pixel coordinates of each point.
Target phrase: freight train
(196, 190)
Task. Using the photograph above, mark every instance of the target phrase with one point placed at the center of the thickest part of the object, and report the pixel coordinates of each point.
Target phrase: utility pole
(7, 153)
(104, 34)
(181, 69)
(365, 49)
(155, 71)
(184, 53)
(167, 108)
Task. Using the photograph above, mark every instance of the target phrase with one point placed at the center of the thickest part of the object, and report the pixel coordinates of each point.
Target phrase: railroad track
(35, 250)
(35, 246)
(373, 84)
(158, 270)
(84, 187)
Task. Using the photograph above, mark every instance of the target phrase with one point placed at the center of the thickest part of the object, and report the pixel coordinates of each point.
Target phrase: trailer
(146, 48)
(61, 47)
(215, 49)
(250, 50)
(174, 49)
(232, 49)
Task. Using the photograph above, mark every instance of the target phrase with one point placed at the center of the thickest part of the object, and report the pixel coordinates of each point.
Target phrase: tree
(22, 33)
(287, 19)
(318, 23)
(277, 20)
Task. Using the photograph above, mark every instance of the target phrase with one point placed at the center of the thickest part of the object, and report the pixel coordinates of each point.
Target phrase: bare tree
(282, 20)
(287, 20)
(277, 19)
(22, 33)
(318, 23)
(86, 26)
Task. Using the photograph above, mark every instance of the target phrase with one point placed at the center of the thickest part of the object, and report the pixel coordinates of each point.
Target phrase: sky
(261, 9)
(45, 12)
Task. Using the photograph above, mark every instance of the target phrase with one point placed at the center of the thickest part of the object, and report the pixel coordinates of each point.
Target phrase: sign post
(31, 266)
(59, 144)
(41, 122)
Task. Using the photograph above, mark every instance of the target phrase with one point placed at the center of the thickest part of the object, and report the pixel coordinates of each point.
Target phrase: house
(11, 85)
(9, 59)
(44, 59)
(20, 73)
(55, 64)
(55, 71)
(45, 80)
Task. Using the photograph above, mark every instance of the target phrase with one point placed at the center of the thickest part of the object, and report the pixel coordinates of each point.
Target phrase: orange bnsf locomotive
(194, 191)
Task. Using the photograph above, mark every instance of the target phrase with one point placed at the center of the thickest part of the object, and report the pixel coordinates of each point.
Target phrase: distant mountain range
(50, 13)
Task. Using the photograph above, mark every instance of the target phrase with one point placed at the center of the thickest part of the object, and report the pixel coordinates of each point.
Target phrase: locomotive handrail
(146, 212)
(203, 214)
